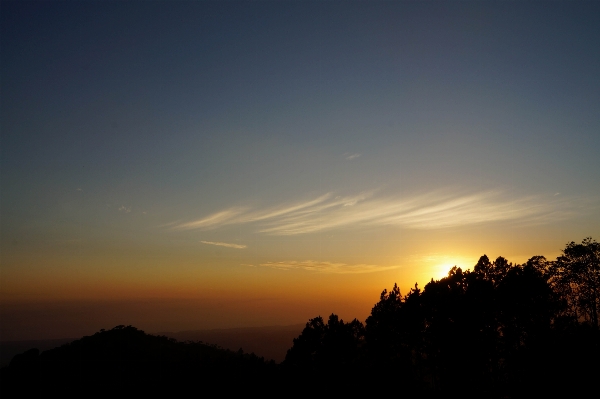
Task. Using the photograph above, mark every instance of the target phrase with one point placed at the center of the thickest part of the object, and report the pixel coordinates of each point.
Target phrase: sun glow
(442, 270)
(437, 266)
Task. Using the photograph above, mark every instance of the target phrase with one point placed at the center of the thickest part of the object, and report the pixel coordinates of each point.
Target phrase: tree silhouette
(394, 338)
(321, 346)
(383, 326)
(492, 271)
(576, 275)
(461, 330)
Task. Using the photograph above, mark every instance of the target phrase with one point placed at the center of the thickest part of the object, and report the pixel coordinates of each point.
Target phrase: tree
(306, 347)
(492, 271)
(394, 336)
(576, 275)
(321, 346)
(461, 329)
(540, 264)
(526, 305)
(384, 327)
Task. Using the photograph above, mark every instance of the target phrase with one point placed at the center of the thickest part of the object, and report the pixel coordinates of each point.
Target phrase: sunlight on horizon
(438, 265)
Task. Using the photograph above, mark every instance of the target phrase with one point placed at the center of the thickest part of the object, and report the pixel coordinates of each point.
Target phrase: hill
(128, 361)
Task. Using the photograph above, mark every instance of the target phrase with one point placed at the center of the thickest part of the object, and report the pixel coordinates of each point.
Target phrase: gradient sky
(178, 165)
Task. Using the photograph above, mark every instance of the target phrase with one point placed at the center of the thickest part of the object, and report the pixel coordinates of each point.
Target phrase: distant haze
(272, 342)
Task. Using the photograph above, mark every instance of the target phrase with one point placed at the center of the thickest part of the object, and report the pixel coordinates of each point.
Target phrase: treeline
(499, 330)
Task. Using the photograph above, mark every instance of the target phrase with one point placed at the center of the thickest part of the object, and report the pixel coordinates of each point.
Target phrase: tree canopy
(576, 275)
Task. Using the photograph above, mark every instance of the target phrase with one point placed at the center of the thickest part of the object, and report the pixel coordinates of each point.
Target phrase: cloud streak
(326, 267)
(433, 210)
(224, 244)
(215, 219)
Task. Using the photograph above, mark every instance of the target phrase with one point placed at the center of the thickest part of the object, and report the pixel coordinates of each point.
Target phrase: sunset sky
(179, 165)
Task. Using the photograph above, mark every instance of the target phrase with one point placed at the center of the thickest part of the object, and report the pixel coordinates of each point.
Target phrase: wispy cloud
(239, 215)
(224, 244)
(125, 209)
(326, 267)
(350, 157)
(433, 210)
(218, 218)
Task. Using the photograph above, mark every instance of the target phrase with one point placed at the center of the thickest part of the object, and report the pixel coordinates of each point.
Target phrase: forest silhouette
(499, 330)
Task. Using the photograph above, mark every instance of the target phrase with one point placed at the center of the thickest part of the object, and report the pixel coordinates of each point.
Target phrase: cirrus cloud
(432, 210)
(326, 267)
(225, 244)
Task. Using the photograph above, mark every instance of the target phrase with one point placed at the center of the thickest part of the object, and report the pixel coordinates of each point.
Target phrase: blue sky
(381, 139)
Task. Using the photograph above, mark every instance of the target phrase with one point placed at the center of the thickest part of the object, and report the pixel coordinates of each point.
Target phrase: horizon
(204, 165)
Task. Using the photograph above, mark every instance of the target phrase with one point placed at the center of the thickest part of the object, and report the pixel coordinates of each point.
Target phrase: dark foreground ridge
(499, 331)
(125, 360)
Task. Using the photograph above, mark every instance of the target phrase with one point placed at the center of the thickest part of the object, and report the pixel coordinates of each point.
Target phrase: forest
(498, 330)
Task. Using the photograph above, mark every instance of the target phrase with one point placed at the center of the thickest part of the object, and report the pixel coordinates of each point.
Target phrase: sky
(180, 165)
